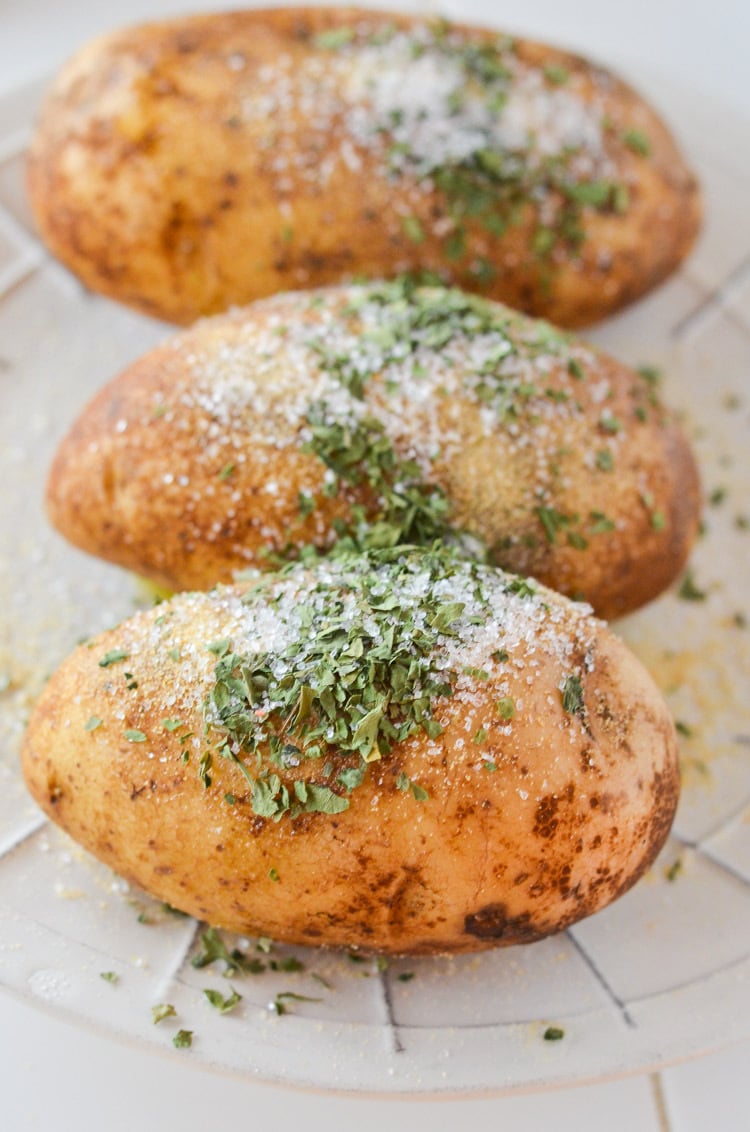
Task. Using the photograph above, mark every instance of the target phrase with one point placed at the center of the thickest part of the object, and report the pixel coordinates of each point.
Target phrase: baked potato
(401, 751)
(374, 415)
(186, 166)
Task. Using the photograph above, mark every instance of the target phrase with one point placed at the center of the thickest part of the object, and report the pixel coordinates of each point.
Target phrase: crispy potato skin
(138, 479)
(144, 185)
(569, 820)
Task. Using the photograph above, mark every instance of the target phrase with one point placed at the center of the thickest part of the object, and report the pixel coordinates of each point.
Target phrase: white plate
(663, 974)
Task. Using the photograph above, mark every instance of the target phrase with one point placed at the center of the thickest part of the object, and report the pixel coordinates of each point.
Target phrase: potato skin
(154, 175)
(573, 813)
(173, 473)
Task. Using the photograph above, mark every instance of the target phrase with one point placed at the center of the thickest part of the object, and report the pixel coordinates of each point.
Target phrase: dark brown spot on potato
(493, 922)
(54, 790)
(545, 820)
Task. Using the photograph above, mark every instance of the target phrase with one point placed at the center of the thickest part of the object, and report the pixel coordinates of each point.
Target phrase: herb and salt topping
(387, 384)
(439, 107)
(491, 132)
(319, 673)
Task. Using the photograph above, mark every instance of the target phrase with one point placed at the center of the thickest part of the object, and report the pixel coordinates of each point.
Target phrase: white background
(53, 1076)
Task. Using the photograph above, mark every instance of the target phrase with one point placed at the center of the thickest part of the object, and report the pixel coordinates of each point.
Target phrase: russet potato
(186, 166)
(403, 752)
(374, 415)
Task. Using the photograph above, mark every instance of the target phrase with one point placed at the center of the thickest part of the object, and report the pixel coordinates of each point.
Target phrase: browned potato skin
(140, 185)
(106, 489)
(475, 866)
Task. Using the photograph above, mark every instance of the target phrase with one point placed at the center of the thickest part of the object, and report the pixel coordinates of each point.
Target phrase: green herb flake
(683, 728)
(674, 870)
(172, 911)
(476, 673)
(480, 736)
(113, 657)
(215, 950)
(558, 395)
(219, 648)
(171, 724)
(183, 1039)
(352, 777)
(323, 981)
(405, 784)
(305, 504)
(572, 695)
(594, 194)
(162, 1011)
(523, 587)
(553, 1034)
(273, 875)
(657, 519)
(556, 73)
(220, 1003)
(609, 424)
(334, 38)
(278, 1005)
(484, 271)
(109, 977)
(554, 522)
(226, 471)
(688, 589)
(599, 523)
(652, 375)
(413, 230)
(174, 654)
(454, 247)
(406, 976)
(289, 963)
(604, 460)
(134, 736)
(322, 800)
(506, 707)
(637, 141)
(92, 723)
(543, 241)
(717, 496)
